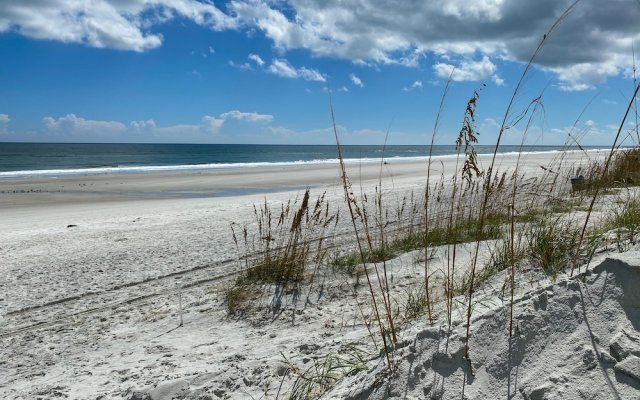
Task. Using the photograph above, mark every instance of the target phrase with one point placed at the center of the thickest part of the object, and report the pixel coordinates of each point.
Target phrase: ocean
(43, 159)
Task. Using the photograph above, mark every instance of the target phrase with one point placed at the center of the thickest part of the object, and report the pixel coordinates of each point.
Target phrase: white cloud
(117, 24)
(355, 80)
(246, 116)
(72, 127)
(212, 124)
(414, 85)
(590, 46)
(229, 127)
(467, 70)
(244, 66)
(257, 59)
(584, 75)
(385, 31)
(71, 124)
(211, 50)
(311, 74)
(282, 68)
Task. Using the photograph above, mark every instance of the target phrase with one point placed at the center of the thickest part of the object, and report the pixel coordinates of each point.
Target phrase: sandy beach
(133, 227)
(94, 270)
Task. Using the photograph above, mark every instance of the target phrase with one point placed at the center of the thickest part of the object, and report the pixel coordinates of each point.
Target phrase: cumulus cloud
(73, 127)
(243, 127)
(247, 116)
(584, 75)
(591, 45)
(117, 24)
(76, 125)
(414, 85)
(467, 70)
(365, 31)
(256, 59)
(243, 66)
(212, 124)
(281, 67)
(355, 80)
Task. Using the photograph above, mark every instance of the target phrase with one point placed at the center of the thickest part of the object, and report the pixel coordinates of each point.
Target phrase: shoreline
(28, 192)
(204, 168)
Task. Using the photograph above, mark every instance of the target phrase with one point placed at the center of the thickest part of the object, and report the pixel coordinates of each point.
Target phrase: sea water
(43, 159)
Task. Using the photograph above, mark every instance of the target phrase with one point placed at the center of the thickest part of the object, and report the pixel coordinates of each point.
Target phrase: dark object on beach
(71, 226)
(578, 183)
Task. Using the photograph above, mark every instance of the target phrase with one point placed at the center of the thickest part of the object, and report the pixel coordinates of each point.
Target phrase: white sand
(91, 311)
(573, 340)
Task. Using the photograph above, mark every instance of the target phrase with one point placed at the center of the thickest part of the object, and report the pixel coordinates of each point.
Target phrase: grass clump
(283, 244)
(239, 298)
(346, 263)
(316, 380)
(416, 303)
(625, 221)
(279, 249)
(628, 216)
(553, 244)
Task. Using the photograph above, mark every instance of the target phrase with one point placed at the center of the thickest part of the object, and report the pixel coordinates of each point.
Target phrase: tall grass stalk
(503, 127)
(355, 212)
(436, 125)
(512, 211)
(465, 140)
(635, 107)
(381, 222)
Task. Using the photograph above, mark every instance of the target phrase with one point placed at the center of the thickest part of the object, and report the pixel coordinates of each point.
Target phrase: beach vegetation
(503, 220)
(624, 221)
(552, 244)
(416, 302)
(315, 380)
(281, 247)
(239, 298)
(623, 171)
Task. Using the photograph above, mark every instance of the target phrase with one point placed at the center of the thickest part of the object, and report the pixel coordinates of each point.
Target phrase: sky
(265, 71)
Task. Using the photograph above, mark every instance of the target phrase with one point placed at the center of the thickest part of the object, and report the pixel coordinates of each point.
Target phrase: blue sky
(253, 71)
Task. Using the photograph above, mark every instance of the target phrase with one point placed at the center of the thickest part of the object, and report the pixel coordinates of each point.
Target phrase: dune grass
(539, 222)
